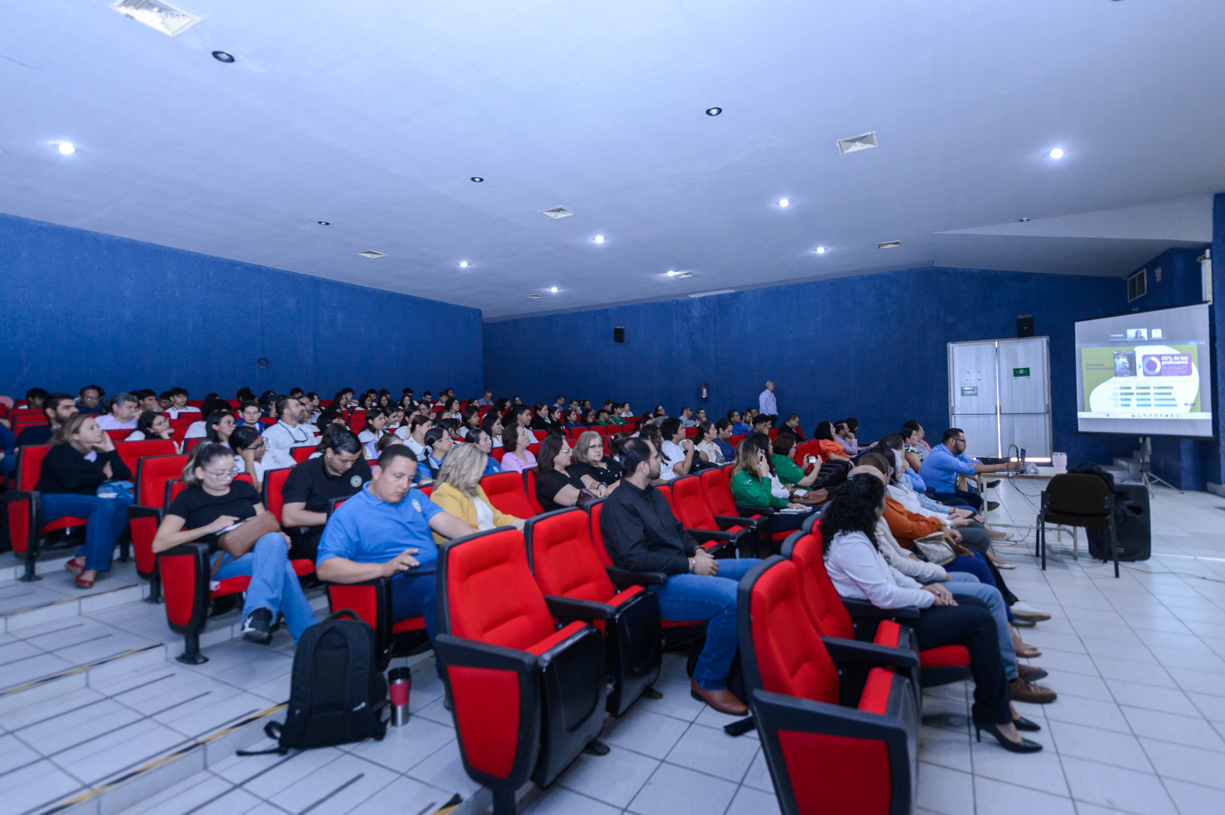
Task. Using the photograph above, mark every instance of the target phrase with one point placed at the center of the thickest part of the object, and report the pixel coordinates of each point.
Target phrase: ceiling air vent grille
(683, 275)
(557, 212)
(534, 296)
(157, 14)
(889, 245)
(370, 253)
(864, 142)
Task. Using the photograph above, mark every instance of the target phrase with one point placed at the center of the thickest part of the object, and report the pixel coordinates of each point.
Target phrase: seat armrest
(732, 520)
(711, 534)
(138, 511)
(573, 608)
(868, 653)
(12, 496)
(806, 716)
(864, 609)
(625, 577)
(459, 652)
(189, 548)
(747, 510)
(374, 581)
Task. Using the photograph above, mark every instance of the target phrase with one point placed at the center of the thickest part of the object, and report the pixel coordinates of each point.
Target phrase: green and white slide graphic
(1158, 381)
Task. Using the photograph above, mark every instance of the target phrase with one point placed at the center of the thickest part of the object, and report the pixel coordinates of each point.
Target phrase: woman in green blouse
(788, 471)
(751, 481)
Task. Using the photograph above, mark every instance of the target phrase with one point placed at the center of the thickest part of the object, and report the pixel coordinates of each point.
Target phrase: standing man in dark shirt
(311, 485)
(643, 535)
(58, 408)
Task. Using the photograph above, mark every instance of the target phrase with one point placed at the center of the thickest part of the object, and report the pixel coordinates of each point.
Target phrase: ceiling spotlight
(324, 223)
(820, 250)
(1023, 220)
(66, 147)
(784, 203)
(222, 56)
(463, 264)
(476, 178)
(713, 111)
(1057, 153)
(599, 238)
(671, 273)
(554, 290)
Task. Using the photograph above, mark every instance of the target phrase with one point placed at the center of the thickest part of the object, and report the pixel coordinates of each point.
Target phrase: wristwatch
(691, 565)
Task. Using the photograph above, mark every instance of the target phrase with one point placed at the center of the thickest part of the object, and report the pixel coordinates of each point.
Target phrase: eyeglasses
(226, 474)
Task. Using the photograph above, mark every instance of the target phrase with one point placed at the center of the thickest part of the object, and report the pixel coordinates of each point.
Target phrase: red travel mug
(399, 683)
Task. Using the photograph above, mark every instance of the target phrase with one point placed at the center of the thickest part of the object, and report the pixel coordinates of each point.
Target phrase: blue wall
(874, 347)
(81, 307)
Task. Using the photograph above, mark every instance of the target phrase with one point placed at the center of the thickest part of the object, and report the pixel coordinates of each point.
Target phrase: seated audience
(687, 418)
(859, 570)
(708, 443)
(212, 503)
(792, 425)
(74, 482)
(385, 531)
(457, 490)
(89, 399)
(121, 412)
(248, 447)
(557, 486)
(35, 398)
(375, 429)
(590, 465)
(753, 486)
(249, 415)
(288, 433)
(643, 535)
(146, 400)
(414, 434)
(470, 422)
(492, 425)
(540, 417)
(947, 463)
(219, 426)
(830, 449)
(152, 425)
(480, 439)
(676, 450)
(790, 473)
(338, 472)
(844, 437)
(486, 400)
(762, 424)
(438, 444)
(723, 440)
(58, 408)
(515, 441)
(699, 416)
(739, 428)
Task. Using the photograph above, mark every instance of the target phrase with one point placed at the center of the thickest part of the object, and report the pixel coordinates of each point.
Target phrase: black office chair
(1077, 500)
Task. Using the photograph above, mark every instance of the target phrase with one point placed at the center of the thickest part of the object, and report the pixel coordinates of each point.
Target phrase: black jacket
(642, 534)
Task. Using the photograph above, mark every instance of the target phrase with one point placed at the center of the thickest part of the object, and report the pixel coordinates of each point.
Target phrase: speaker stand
(1146, 468)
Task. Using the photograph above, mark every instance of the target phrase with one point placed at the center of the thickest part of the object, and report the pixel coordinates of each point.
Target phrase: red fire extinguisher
(704, 392)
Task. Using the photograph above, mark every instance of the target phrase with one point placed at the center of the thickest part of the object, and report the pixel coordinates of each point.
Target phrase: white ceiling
(373, 116)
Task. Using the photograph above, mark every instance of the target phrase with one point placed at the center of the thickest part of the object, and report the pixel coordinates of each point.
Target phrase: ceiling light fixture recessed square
(370, 253)
(683, 275)
(889, 245)
(534, 296)
(557, 212)
(157, 14)
(864, 142)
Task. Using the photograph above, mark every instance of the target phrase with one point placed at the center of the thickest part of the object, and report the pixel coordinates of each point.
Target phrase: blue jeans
(966, 585)
(274, 585)
(105, 520)
(695, 597)
(976, 566)
(413, 595)
(960, 498)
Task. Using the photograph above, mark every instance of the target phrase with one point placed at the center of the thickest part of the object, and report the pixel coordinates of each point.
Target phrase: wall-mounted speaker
(1025, 325)
(619, 333)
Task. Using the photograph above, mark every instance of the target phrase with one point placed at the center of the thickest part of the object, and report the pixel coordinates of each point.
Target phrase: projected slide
(1145, 374)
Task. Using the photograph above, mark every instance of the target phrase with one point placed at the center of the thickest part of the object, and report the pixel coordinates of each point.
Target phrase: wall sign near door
(1020, 372)
(969, 391)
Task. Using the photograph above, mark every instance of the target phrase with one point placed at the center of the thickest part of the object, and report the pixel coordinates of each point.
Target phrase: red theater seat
(717, 495)
(577, 587)
(145, 515)
(27, 532)
(700, 522)
(529, 487)
(528, 699)
(301, 454)
(506, 492)
(838, 728)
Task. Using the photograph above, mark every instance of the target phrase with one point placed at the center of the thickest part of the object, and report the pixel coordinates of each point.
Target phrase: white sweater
(859, 571)
(900, 559)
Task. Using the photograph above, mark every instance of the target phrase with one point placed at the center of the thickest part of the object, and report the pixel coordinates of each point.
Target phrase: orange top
(829, 447)
(906, 526)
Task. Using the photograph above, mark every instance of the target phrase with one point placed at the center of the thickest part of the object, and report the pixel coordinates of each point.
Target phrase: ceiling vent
(854, 143)
(370, 253)
(534, 296)
(557, 212)
(710, 293)
(682, 275)
(889, 245)
(157, 14)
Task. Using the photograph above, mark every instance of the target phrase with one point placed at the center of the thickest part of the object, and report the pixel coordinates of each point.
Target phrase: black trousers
(969, 623)
(305, 545)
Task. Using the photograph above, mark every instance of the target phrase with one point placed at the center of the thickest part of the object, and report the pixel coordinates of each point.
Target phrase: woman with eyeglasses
(212, 503)
(590, 465)
(248, 447)
(152, 425)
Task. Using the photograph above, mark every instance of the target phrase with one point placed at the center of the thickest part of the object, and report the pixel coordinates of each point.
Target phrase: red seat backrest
(689, 505)
(274, 481)
(691, 432)
(820, 598)
(133, 451)
(427, 490)
(491, 595)
(564, 559)
(666, 491)
(190, 443)
(789, 652)
(29, 465)
(506, 492)
(717, 493)
(534, 449)
(118, 435)
(497, 454)
(152, 473)
(734, 441)
(597, 534)
(301, 454)
(173, 488)
(529, 487)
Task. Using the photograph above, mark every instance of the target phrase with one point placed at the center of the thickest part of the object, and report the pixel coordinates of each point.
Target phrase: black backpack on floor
(337, 693)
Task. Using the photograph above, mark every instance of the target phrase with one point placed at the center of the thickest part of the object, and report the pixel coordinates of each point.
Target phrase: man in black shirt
(58, 408)
(338, 473)
(643, 535)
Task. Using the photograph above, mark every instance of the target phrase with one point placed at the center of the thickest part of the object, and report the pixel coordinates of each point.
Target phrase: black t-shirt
(310, 483)
(551, 483)
(197, 508)
(600, 474)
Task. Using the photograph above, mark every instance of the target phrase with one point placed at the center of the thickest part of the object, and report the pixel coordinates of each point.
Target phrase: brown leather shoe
(1026, 651)
(723, 701)
(1022, 691)
(1030, 673)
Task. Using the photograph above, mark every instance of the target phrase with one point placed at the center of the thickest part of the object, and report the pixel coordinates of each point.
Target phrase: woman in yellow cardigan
(458, 491)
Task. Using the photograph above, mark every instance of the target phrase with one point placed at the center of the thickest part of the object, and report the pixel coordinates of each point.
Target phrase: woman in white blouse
(859, 570)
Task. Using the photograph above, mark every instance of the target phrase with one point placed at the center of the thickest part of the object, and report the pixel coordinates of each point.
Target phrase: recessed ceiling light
(66, 147)
(599, 239)
(820, 250)
(783, 202)
(476, 178)
(856, 143)
(1057, 153)
(554, 290)
(324, 223)
(671, 273)
(463, 264)
(556, 212)
(222, 56)
(370, 253)
(1023, 220)
(713, 111)
(683, 275)
(889, 245)
(534, 296)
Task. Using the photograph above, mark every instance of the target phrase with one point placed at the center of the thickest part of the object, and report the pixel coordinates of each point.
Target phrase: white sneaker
(1027, 612)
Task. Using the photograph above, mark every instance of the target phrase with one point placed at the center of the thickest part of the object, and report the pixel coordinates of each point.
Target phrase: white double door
(999, 394)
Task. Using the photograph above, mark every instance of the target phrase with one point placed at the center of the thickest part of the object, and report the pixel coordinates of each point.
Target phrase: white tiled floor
(1139, 726)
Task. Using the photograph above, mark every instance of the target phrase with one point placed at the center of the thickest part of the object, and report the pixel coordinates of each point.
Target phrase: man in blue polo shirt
(384, 531)
(947, 461)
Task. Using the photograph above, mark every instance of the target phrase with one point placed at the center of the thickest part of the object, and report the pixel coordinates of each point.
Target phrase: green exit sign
(1020, 371)
(969, 391)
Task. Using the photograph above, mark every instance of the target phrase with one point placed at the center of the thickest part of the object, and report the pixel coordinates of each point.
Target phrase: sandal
(76, 565)
(86, 582)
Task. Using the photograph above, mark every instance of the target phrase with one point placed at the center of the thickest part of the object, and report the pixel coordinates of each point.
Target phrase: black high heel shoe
(1023, 746)
(1022, 723)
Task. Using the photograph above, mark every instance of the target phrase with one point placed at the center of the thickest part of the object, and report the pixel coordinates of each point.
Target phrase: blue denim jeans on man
(274, 585)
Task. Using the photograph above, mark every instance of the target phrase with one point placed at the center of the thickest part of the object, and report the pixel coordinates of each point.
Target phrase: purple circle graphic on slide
(1152, 366)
